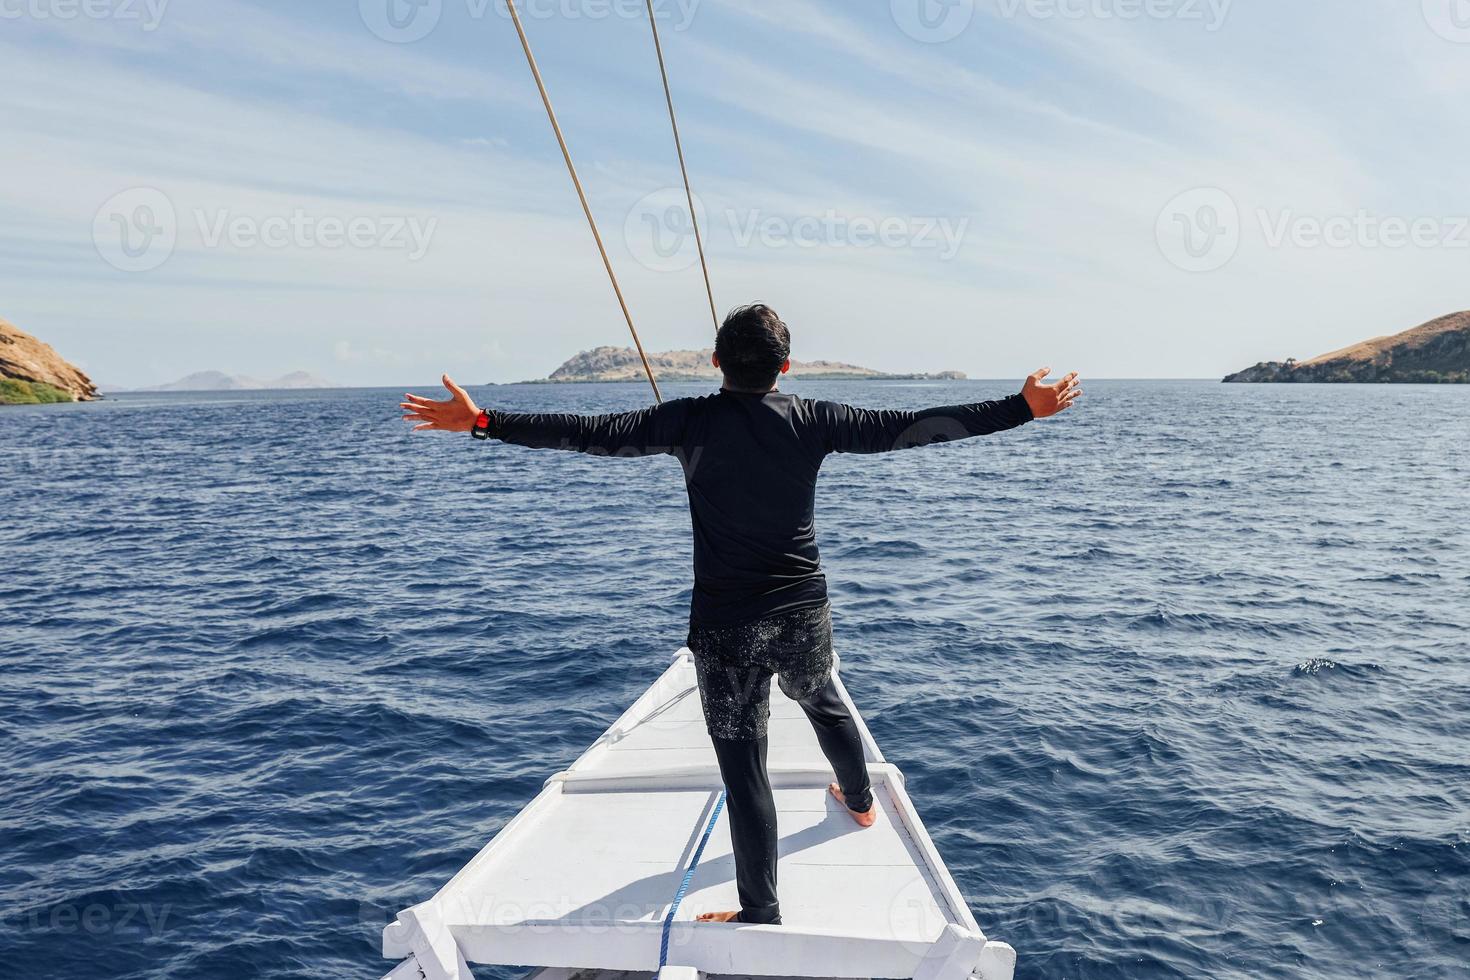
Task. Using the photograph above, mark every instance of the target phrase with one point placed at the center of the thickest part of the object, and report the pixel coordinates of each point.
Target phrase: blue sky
(1132, 188)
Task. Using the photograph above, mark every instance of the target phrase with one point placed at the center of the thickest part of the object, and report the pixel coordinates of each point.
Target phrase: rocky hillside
(1437, 352)
(220, 381)
(623, 364)
(32, 371)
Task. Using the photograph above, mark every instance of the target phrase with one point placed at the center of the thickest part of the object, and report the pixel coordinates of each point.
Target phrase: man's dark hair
(752, 345)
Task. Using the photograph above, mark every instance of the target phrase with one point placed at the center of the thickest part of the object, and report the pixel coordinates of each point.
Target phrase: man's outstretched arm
(860, 430)
(647, 432)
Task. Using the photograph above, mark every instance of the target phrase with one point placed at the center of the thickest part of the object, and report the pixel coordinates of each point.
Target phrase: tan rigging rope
(582, 195)
(683, 169)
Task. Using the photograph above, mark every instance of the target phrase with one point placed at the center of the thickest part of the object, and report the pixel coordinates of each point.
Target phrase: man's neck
(747, 391)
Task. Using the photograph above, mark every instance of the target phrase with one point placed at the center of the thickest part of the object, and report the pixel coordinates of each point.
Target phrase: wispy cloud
(1021, 169)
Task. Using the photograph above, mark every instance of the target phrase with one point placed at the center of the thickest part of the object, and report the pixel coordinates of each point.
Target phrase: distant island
(605, 364)
(31, 372)
(220, 381)
(1437, 352)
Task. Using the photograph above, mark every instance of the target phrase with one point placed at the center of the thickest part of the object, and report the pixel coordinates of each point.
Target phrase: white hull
(580, 882)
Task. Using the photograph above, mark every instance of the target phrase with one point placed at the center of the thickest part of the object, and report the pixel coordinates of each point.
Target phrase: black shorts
(735, 665)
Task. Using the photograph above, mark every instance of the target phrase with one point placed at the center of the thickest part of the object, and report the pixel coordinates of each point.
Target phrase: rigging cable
(582, 195)
(683, 169)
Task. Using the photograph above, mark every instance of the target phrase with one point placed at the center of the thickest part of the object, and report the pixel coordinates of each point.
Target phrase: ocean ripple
(1197, 710)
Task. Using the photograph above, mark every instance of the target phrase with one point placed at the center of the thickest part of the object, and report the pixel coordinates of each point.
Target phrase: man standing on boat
(751, 455)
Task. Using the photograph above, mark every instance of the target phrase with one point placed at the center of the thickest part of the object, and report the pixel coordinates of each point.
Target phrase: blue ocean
(1180, 680)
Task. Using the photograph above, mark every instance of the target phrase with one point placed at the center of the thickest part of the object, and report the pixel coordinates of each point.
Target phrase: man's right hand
(456, 414)
(1047, 400)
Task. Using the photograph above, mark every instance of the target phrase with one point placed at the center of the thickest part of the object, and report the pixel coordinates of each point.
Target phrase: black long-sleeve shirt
(750, 465)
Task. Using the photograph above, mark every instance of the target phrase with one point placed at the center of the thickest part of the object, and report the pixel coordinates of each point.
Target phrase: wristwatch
(482, 425)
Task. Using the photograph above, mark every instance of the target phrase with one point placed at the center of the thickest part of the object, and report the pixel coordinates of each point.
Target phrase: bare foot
(863, 819)
(717, 917)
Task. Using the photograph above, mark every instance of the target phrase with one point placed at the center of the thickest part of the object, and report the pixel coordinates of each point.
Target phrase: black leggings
(752, 807)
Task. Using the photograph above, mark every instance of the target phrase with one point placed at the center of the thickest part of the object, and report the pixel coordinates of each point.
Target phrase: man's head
(753, 348)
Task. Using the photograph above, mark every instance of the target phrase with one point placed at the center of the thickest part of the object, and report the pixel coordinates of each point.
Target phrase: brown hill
(24, 358)
(622, 364)
(1437, 352)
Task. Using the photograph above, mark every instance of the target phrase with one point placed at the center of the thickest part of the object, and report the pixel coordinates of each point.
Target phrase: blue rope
(663, 946)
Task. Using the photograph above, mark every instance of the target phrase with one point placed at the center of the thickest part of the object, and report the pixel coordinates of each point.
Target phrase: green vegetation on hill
(31, 372)
(13, 392)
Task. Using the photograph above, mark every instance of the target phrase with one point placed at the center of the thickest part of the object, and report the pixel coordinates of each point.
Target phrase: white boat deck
(580, 882)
